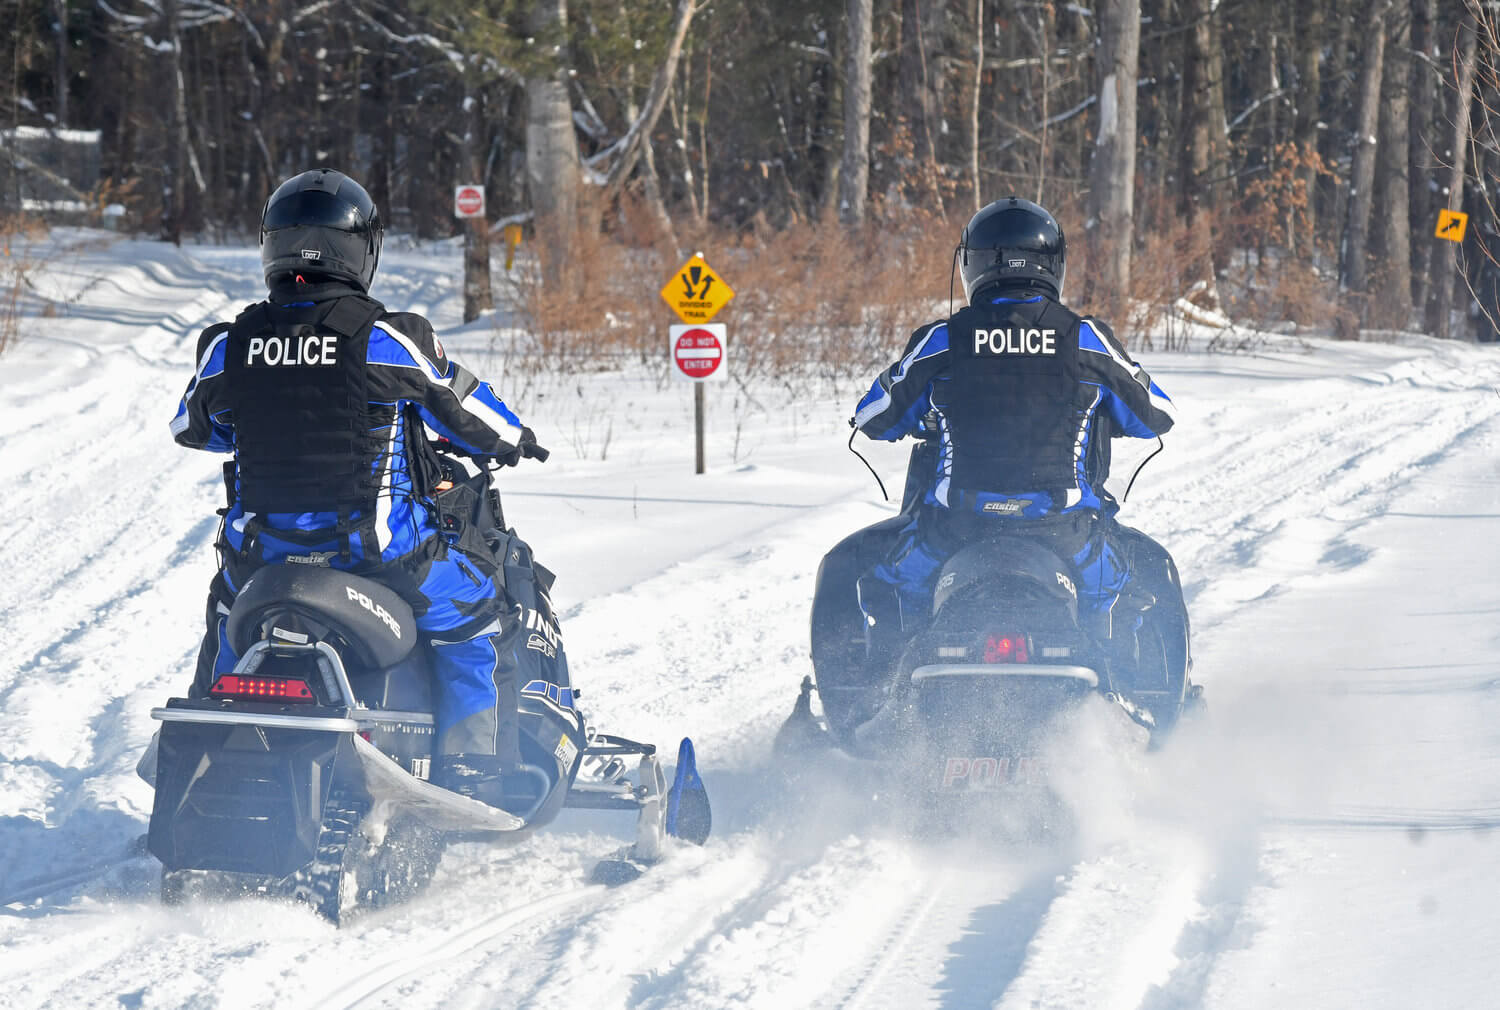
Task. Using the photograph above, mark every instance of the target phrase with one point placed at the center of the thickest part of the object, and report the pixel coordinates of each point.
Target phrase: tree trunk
(665, 238)
(829, 115)
(1362, 181)
(477, 294)
(552, 170)
(656, 99)
(1391, 247)
(919, 84)
(1425, 99)
(60, 68)
(184, 158)
(1112, 173)
(854, 172)
(1203, 133)
(1449, 260)
(1305, 129)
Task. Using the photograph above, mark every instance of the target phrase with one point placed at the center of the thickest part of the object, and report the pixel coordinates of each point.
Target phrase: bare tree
(477, 293)
(552, 170)
(1309, 45)
(921, 85)
(1203, 133)
(1393, 181)
(1466, 60)
(1112, 172)
(854, 172)
(1362, 181)
(1425, 103)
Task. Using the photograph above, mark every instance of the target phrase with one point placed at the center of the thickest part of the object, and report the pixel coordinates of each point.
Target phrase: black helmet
(321, 222)
(1013, 242)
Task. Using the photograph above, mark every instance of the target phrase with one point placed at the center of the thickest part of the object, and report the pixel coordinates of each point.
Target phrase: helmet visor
(314, 208)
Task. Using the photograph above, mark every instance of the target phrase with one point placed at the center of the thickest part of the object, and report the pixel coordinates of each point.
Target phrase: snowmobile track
(445, 948)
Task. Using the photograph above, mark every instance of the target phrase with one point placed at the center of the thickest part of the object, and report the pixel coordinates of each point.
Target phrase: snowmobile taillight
(276, 688)
(1005, 649)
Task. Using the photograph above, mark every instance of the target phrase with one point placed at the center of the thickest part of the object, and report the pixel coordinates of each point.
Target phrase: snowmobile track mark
(447, 947)
(868, 987)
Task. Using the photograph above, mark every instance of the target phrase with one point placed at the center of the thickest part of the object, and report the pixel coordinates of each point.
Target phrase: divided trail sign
(699, 353)
(695, 292)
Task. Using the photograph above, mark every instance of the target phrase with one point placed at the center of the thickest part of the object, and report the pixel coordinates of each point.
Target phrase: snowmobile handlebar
(526, 450)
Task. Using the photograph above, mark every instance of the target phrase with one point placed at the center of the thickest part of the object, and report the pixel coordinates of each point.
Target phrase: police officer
(1024, 396)
(321, 393)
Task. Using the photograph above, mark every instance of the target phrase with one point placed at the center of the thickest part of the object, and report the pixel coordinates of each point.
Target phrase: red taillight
(275, 688)
(1005, 649)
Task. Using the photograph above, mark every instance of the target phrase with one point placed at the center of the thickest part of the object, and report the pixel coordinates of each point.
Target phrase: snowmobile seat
(293, 602)
(1022, 557)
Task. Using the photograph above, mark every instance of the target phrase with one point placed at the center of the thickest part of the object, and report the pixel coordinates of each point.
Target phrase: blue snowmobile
(968, 697)
(304, 772)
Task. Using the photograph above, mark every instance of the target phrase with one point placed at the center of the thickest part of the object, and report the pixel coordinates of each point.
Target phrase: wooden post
(698, 421)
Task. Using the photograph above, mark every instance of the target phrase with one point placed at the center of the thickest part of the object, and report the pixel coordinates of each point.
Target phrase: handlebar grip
(533, 451)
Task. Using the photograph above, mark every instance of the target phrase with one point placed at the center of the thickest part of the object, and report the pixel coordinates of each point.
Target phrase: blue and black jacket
(1025, 396)
(321, 394)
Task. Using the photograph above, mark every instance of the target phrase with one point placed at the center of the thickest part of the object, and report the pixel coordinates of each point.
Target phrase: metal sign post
(699, 349)
(700, 354)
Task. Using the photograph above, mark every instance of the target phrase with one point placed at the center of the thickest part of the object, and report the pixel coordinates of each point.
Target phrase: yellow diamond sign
(1452, 224)
(695, 292)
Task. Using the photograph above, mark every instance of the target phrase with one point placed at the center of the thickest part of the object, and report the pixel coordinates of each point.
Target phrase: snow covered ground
(1328, 837)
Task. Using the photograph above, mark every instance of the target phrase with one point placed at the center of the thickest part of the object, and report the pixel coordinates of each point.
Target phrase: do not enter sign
(699, 353)
(468, 201)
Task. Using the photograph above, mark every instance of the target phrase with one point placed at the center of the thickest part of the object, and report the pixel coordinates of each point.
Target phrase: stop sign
(698, 352)
(468, 201)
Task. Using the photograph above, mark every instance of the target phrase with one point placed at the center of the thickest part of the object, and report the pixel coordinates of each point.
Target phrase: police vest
(298, 386)
(1013, 400)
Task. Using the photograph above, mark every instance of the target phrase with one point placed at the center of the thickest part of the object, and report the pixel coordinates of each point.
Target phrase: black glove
(525, 448)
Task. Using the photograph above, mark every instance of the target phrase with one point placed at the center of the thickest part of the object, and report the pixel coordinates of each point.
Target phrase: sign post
(699, 349)
(699, 354)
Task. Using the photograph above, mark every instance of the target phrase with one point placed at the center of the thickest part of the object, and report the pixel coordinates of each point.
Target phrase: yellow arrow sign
(695, 292)
(1452, 224)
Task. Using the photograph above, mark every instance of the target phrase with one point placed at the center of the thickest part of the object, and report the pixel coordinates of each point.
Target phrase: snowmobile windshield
(315, 208)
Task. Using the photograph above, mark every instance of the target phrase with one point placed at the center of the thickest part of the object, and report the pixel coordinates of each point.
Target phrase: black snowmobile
(304, 772)
(967, 698)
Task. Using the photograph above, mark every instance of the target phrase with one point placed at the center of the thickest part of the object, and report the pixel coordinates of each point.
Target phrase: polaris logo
(1067, 583)
(374, 608)
(1015, 341)
(292, 351)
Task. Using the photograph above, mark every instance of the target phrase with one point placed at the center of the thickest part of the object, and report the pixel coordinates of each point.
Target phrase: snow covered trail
(1326, 837)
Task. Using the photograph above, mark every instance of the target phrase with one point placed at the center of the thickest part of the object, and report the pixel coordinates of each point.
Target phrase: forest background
(1277, 162)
